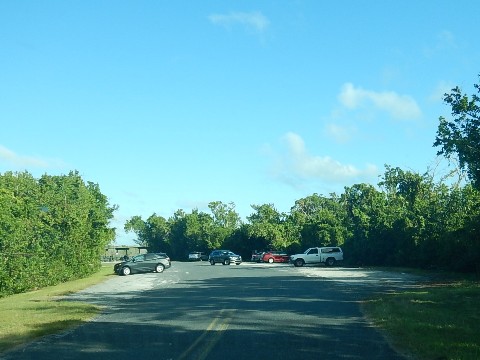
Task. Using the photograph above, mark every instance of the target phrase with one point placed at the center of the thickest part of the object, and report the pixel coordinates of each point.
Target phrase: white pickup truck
(318, 255)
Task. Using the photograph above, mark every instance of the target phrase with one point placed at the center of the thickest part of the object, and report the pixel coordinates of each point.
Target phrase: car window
(330, 250)
(138, 258)
(313, 251)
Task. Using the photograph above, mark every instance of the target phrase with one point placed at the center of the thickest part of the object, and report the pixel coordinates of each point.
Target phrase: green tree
(365, 211)
(152, 233)
(461, 135)
(199, 232)
(51, 230)
(136, 225)
(190, 232)
(320, 221)
(269, 228)
(406, 215)
(225, 222)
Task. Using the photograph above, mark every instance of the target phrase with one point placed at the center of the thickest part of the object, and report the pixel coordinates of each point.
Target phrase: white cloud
(398, 106)
(297, 166)
(22, 161)
(255, 21)
(340, 134)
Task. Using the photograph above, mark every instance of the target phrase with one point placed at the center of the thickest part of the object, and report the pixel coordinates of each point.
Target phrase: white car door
(312, 256)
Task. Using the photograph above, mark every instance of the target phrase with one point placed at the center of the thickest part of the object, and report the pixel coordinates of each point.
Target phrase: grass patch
(37, 313)
(435, 321)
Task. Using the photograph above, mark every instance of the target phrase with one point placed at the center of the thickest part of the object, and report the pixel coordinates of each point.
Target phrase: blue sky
(171, 105)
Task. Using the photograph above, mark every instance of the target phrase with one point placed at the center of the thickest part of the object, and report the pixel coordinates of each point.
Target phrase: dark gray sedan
(150, 262)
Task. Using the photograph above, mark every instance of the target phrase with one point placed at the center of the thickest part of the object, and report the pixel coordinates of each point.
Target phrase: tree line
(52, 229)
(407, 220)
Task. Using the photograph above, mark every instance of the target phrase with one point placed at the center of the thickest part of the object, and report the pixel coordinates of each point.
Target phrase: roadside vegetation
(33, 314)
(53, 229)
(438, 320)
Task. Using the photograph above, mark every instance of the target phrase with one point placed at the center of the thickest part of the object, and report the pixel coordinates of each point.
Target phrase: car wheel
(226, 262)
(299, 263)
(330, 262)
(159, 268)
(212, 262)
(126, 271)
(270, 261)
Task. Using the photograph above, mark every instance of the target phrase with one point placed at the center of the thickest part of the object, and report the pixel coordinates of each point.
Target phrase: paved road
(195, 311)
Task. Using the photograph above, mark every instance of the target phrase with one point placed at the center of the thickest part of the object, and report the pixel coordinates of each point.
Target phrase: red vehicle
(276, 256)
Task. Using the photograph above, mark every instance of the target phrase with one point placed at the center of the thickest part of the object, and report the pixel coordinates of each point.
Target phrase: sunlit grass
(438, 321)
(27, 316)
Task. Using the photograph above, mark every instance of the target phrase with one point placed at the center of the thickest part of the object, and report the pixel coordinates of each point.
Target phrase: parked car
(225, 257)
(275, 256)
(197, 256)
(328, 255)
(257, 255)
(150, 262)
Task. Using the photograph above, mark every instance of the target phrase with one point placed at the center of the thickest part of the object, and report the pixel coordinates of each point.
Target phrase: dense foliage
(407, 220)
(52, 230)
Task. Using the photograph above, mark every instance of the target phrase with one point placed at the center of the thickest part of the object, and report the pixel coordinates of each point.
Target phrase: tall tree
(320, 220)
(460, 136)
(365, 208)
(225, 222)
(139, 227)
(268, 226)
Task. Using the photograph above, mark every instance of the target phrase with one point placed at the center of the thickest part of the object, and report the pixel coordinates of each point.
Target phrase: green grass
(37, 313)
(436, 321)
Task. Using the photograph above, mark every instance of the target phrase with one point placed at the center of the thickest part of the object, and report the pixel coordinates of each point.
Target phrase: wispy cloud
(296, 165)
(251, 21)
(440, 90)
(399, 106)
(444, 42)
(446, 39)
(17, 161)
(341, 134)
